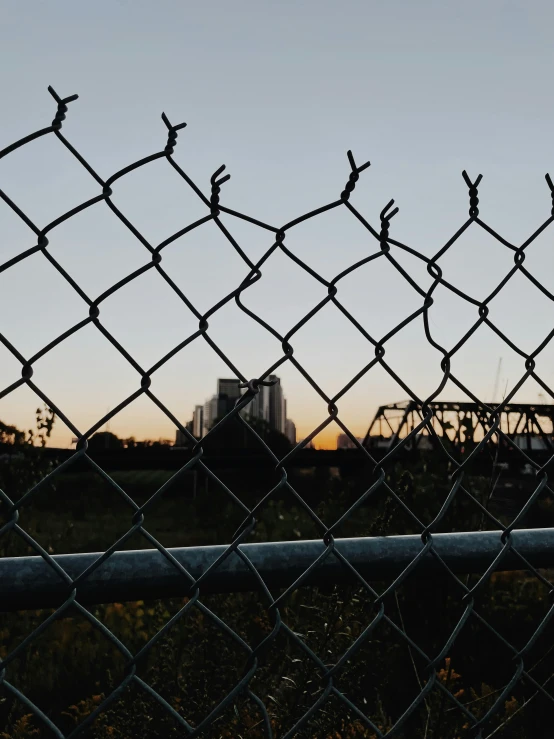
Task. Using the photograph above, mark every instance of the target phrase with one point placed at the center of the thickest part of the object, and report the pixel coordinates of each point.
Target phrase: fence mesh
(430, 670)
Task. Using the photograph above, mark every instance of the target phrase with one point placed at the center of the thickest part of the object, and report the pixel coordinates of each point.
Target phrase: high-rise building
(230, 388)
(228, 392)
(258, 408)
(268, 405)
(290, 431)
(219, 405)
(277, 408)
(198, 421)
(345, 442)
(210, 414)
(182, 439)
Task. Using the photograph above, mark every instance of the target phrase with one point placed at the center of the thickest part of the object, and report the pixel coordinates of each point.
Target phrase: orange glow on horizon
(327, 439)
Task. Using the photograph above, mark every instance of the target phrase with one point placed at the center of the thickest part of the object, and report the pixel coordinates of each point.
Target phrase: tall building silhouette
(228, 392)
(290, 431)
(345, 442)
(210, 414)
(268, 405)
(198, 421)
(258, 407)
(277, 405)
(219, 405)
(182, 439)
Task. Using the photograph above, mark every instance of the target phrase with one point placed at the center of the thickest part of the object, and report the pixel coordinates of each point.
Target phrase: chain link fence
(350, 571)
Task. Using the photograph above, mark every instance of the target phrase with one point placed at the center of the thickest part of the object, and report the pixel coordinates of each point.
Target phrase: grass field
(71, 668)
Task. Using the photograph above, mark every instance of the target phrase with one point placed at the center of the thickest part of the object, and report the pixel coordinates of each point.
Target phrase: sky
(278, 92)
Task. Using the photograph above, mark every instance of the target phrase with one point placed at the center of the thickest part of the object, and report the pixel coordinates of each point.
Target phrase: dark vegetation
(71, 667)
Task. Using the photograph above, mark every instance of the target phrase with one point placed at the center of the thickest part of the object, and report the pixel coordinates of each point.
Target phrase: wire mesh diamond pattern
(385, 247)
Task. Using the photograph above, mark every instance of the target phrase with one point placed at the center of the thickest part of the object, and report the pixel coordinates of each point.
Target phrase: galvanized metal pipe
(29, 582)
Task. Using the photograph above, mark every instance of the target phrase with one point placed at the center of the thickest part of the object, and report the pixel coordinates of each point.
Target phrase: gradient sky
(278, 92)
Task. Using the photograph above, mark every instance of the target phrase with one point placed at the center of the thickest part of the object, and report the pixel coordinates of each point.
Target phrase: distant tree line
(108, 440)
(230, 436)
(12, 436)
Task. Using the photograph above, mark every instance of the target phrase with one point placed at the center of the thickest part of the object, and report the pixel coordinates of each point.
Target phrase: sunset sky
(278, 92)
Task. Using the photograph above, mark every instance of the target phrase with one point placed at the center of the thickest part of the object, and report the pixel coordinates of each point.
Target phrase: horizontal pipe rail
(30, 582)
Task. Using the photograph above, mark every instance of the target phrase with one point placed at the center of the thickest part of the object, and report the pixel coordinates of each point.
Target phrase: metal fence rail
(70, 581)
(29, 582)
